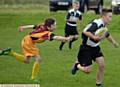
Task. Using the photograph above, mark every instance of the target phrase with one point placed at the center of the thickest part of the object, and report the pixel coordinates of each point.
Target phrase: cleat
(36, 80)
(101, 85)
(6, 51)
(74, 69)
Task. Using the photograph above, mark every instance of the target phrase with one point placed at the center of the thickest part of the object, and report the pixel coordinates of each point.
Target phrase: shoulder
(79, 12)
(99, 23)
(71, 10)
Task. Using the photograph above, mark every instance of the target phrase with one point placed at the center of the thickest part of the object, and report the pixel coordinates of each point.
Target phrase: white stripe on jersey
(91, 43)
(71, 24)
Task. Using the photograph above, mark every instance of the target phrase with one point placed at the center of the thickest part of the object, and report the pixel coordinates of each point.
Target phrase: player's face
(108, 18)
(53, 27)
(76, 5)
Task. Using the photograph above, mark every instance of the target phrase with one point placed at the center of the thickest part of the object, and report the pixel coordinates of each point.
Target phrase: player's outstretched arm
(22, 28)
(114, 43)
(63, 39)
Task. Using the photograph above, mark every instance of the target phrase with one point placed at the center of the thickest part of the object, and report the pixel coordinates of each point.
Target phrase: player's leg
(85, 69)
(61, 45)
(84, 60)
(10, 52)
(74, 39)
(100, 74)
(5, 51)
(36, 67)
(74, 32)
(18, 56)
(66, 34)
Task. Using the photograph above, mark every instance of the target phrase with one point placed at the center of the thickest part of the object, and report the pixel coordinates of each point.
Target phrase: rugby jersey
(38, 29)
(92, 27)
(41, 34)
(74, 16)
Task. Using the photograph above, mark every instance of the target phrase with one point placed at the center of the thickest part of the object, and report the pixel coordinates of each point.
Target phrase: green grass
(56, 65)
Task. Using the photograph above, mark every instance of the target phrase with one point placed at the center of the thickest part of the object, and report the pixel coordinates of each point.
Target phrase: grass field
(56, 65)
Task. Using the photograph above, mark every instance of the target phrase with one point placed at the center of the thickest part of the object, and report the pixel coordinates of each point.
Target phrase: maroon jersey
(38, 29)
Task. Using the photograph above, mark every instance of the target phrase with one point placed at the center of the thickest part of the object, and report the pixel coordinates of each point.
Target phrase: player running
(90, 50)
(40, 34)
(71, 23)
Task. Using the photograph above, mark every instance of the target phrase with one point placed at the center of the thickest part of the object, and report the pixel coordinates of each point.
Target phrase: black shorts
(86, 54)
(70, 30)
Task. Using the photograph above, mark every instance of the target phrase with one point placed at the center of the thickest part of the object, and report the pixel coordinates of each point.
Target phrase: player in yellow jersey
(40, 34)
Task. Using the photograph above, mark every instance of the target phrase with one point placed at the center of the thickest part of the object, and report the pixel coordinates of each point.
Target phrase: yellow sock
(35, 70)
(19, 57)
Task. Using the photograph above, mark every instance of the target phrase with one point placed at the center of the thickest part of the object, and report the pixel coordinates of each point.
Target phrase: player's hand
(97, 38)
(21, 29)
(70, 38)
(116, 45)
(102, 37)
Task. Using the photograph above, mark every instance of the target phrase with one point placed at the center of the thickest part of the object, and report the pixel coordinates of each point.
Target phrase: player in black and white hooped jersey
(71, 23)
(90, 50)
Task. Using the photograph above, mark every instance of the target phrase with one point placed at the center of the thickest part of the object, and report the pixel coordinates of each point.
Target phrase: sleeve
(35, 26)
(107, 34)
(68, 16)
(92, 28)
(51, 36)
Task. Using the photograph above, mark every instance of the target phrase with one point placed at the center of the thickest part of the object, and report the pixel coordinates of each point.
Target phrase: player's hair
(75, 1)
(105, 11)
(49, 21)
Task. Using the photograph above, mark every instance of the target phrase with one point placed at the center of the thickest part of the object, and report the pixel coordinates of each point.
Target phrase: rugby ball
(101, 31)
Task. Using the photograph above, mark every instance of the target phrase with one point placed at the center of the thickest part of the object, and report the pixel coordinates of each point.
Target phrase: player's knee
(26, 61)
(38, 59)
(87, 70)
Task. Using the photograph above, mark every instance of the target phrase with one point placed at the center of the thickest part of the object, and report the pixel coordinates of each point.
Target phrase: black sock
(76, 66)
(70, 43)
(61, 45)
(98, 84)
(73, 40)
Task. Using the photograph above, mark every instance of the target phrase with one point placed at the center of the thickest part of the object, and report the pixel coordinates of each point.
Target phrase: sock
(76, 66)
(73, 40)
(70, 43)
(61, 45)
(35, 70)
(98, 84)
(18, 57)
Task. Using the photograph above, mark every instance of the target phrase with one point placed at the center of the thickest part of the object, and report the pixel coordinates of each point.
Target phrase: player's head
(50, 23)
(76, 4)
(107, 16)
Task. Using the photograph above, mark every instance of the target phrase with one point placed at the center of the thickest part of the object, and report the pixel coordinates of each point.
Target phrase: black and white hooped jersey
(92, 27)
(74, 16)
